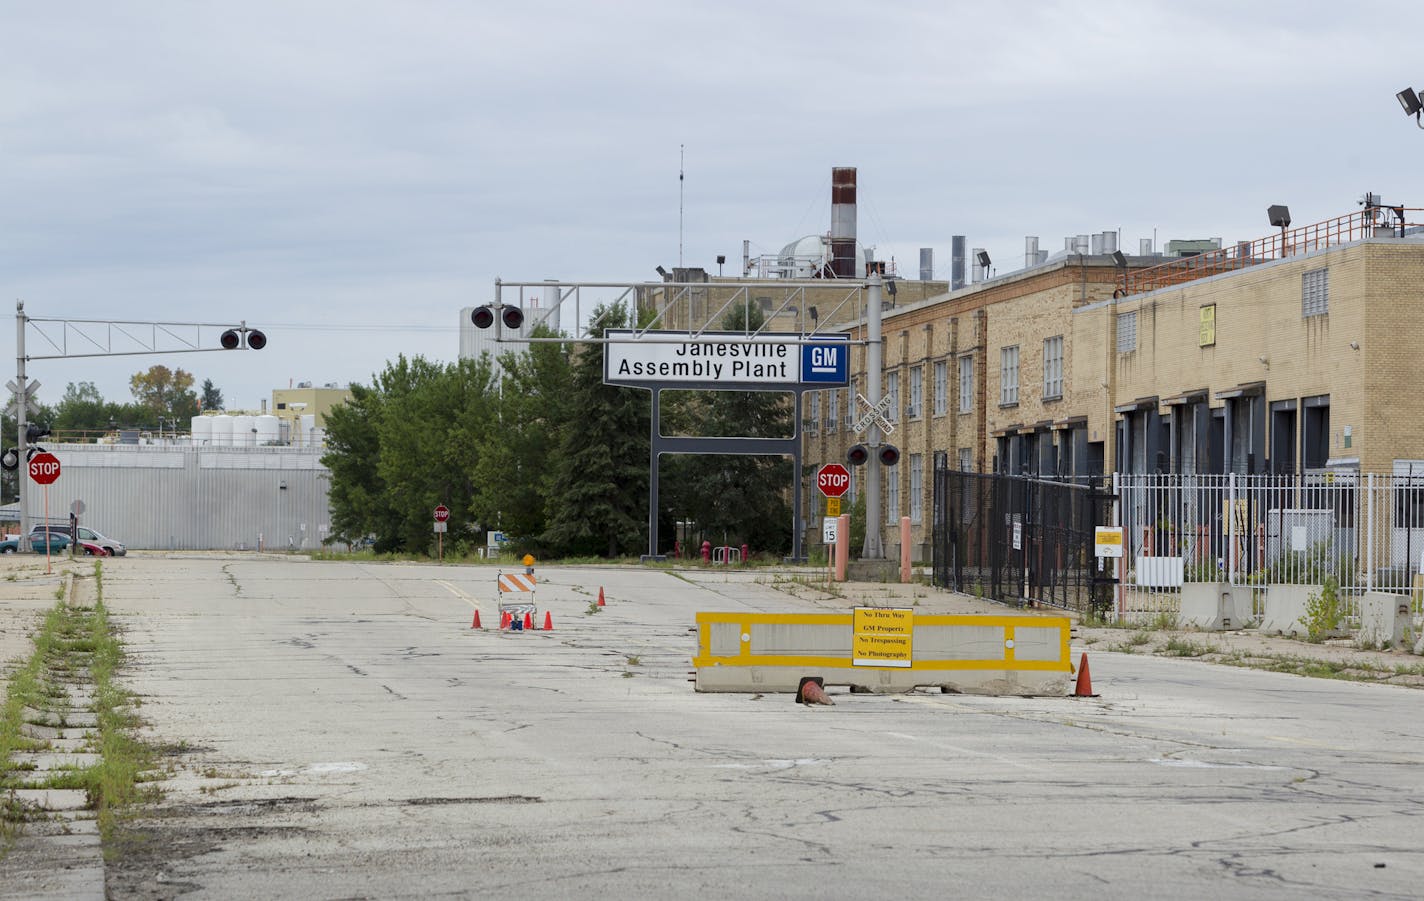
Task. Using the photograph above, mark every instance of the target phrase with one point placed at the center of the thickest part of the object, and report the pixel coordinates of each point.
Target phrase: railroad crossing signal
(29, 399)
(876, 413)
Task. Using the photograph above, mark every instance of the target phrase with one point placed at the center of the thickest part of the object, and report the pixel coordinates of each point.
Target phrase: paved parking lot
(342, 732)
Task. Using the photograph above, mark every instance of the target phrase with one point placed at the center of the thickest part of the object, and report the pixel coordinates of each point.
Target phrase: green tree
(404, 445)
(165, 392)
(357, 499)
(597, 502)
(212, 398)
(514, 472)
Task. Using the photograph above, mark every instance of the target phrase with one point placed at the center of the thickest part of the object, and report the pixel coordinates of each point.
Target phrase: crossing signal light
(857, 455)
(889, 455)
(511, 316)
(232, 339)
(10, 461)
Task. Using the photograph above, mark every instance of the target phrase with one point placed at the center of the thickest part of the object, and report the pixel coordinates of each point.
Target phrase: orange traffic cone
(548, 621)
(600, 597)
(811, 692)
(476, 623)
(1084, 688)
(529, 621)
(504, 619)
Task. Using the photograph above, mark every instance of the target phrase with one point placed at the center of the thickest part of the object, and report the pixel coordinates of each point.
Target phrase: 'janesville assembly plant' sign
(723, 360)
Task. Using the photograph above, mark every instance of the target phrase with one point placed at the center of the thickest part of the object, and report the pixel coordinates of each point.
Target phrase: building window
(892, 494)
(917, 474)
(892, 391)
(1053, 366)
(917, 375)
(1315, 293)
(966, 384)
(1126, 332)
(815, 409)
(1008, 375)
(941, 388)
(966, 459)
(833, 409)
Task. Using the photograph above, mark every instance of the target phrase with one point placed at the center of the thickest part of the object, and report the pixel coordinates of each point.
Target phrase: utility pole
(22, 469)
(874, 548)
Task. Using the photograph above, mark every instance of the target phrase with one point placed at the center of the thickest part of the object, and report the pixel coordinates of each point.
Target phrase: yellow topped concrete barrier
(884, 649)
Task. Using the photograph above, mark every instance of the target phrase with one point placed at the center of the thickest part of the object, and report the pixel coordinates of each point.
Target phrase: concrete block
(1383, 619)
(1215, 606)
(1285, 611)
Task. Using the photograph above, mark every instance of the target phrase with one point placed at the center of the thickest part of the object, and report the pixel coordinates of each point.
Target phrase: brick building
(1287, 355)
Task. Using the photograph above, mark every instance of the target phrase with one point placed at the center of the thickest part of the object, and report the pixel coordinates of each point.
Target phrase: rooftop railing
(1363, 223)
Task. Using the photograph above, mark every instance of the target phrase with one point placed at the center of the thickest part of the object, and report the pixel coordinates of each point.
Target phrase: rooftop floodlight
(1410, 100)
(662, 272)
(1280, 215)
(1118, 259)
(983, 258)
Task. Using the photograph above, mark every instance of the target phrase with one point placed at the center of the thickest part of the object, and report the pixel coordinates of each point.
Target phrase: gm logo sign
(826, 364)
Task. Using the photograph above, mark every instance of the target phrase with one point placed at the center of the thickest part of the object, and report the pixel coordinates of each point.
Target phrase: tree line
(549, 455)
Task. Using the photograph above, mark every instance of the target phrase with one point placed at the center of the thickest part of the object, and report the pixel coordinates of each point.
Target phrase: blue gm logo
(825, 364)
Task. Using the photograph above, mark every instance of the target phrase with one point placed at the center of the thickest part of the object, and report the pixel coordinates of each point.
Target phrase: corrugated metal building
(182, 497)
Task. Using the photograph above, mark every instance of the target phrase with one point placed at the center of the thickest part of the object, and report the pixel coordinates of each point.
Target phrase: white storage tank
(222, 430)
(308, 426)
(242, 430)
(202, 430)
(268, 430)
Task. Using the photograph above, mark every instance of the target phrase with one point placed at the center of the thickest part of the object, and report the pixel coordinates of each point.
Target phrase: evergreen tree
(598, 498)
(357, 496)
(212, 398)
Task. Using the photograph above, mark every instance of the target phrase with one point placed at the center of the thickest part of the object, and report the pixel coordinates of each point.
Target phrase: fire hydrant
(706, 552)
(744, 553)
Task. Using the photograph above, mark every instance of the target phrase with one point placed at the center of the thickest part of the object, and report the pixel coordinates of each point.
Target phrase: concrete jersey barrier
(884, 650)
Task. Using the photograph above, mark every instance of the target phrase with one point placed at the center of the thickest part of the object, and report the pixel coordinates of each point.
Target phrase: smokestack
(977, 274)
(956, 262)
(843, 222)
(551, 302)
(1144, 247)
(746, 256)
(926, 264)
(1030, 251)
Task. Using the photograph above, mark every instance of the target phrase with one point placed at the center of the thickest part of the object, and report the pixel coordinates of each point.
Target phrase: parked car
(57, 540)
(10, 545)
(110, 547)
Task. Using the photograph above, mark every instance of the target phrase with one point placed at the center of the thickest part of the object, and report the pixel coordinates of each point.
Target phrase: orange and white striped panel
(515, 582)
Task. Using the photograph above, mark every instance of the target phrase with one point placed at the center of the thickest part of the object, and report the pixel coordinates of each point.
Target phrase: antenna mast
(681, 155)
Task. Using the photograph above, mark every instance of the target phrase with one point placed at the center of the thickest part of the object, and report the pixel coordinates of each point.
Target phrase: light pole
(1413, 103)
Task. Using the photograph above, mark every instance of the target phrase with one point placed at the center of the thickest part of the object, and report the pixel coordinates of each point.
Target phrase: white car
(115, 548)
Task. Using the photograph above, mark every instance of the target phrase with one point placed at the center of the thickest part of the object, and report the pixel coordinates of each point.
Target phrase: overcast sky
(348, 175)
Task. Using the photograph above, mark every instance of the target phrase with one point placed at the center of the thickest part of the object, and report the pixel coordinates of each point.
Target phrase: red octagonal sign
(442, 513)
(44, 467)
(833, 479)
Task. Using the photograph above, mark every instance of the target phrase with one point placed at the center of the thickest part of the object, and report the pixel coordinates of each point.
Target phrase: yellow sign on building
(1208, 326)
(882, 636)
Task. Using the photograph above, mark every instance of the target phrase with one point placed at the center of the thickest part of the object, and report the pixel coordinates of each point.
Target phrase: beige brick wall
(1374, 302)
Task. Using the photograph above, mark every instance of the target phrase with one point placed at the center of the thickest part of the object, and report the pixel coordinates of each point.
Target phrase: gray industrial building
(177, 496)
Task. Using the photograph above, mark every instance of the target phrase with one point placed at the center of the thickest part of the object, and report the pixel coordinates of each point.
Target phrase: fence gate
(1017, 539)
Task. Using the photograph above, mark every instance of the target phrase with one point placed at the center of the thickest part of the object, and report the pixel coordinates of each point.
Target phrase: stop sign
(442, 513)
(833, 479)
(44, 467)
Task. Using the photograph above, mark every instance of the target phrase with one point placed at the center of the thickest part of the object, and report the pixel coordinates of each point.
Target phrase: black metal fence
(1019, 540)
